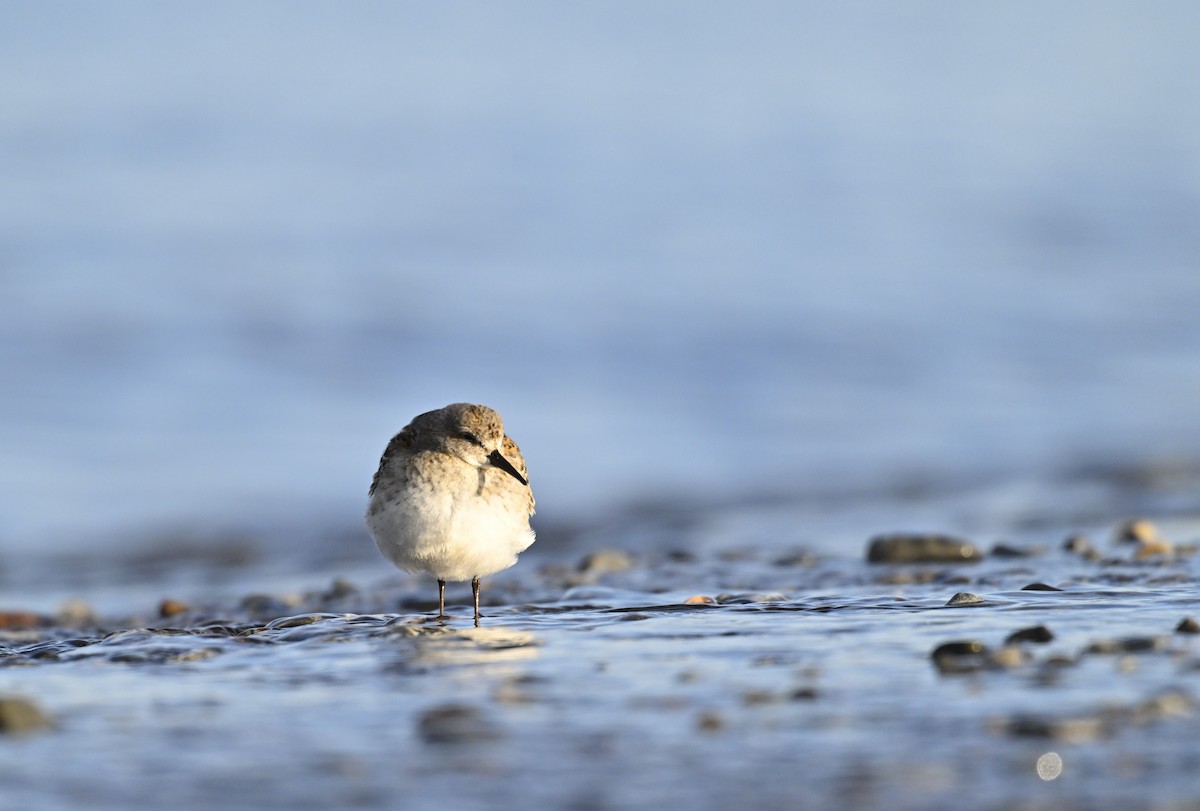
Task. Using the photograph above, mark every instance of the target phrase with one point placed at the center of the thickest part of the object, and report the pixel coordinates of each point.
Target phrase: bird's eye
(467, 435)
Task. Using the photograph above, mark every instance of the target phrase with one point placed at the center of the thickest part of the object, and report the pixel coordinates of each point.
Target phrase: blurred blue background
(681, 248)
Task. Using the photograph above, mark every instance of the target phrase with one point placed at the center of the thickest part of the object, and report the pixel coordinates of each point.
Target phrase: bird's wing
(512, 453)
(399, 444)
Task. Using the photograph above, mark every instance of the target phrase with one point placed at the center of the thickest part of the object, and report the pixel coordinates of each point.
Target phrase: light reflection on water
(827, 699)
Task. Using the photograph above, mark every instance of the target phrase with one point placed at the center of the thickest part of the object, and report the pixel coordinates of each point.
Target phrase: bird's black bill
(497, 459)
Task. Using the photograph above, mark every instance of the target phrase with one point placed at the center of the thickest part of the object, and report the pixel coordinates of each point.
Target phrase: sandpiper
(451, 498)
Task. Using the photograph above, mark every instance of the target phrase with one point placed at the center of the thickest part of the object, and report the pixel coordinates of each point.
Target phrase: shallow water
(811, 685)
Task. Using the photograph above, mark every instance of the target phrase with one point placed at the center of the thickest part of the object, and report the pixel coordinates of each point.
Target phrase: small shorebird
(451, 498)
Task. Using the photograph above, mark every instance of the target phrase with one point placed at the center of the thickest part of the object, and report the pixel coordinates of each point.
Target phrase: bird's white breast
(450, 519)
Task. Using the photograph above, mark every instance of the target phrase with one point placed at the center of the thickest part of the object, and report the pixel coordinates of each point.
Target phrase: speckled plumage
(451, 497)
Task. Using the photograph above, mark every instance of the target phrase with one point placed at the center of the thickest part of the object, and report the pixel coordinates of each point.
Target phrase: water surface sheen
(819, 692)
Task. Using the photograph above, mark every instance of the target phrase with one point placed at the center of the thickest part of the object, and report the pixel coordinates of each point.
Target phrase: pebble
(965, 598)
(341, 588)
(76, 612)
(1004, 550)
(1129, 644)
(1039, 587)
(960, 656)
(195, 655)
(1187, 625)
(1138, 530)
(21, 620)
(1082, 728)
(1073, 730)
(699, 599)
(752, 698)
(1008, 657)
(906, 578)
(969, 656)
(606, 561)
(455, 724)
(1149, 549)
(801, 559)
(19, 715)
(263, 605)
(1081, 545)
(172, 608)
(1172, 703)
(751, 598)
(903, 547)
(1036, 633)
(709, 721)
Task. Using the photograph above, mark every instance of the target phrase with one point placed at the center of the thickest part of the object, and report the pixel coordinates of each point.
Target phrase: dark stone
(965, 598)
(341, 588)
(965, 656)
(1004, 550)
(1037, 633)
(1039, 587)
(961, 656)
(1187, 625)
(455, 724)
(263, 605)
(1129, 644)
(1074, 730)
(903, 547)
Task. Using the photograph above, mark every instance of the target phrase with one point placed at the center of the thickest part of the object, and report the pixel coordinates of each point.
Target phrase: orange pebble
(1156, 547)
(171, 608)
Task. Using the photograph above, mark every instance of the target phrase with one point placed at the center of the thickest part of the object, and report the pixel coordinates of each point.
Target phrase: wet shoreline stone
(972, 656)
(20, 715)
(1037, 633)
(901, 547)
(21, 620)
(1188, 625)
(456, 724)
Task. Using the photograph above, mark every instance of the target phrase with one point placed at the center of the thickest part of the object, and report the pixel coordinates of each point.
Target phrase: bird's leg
(475, 596)
(441, 600)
